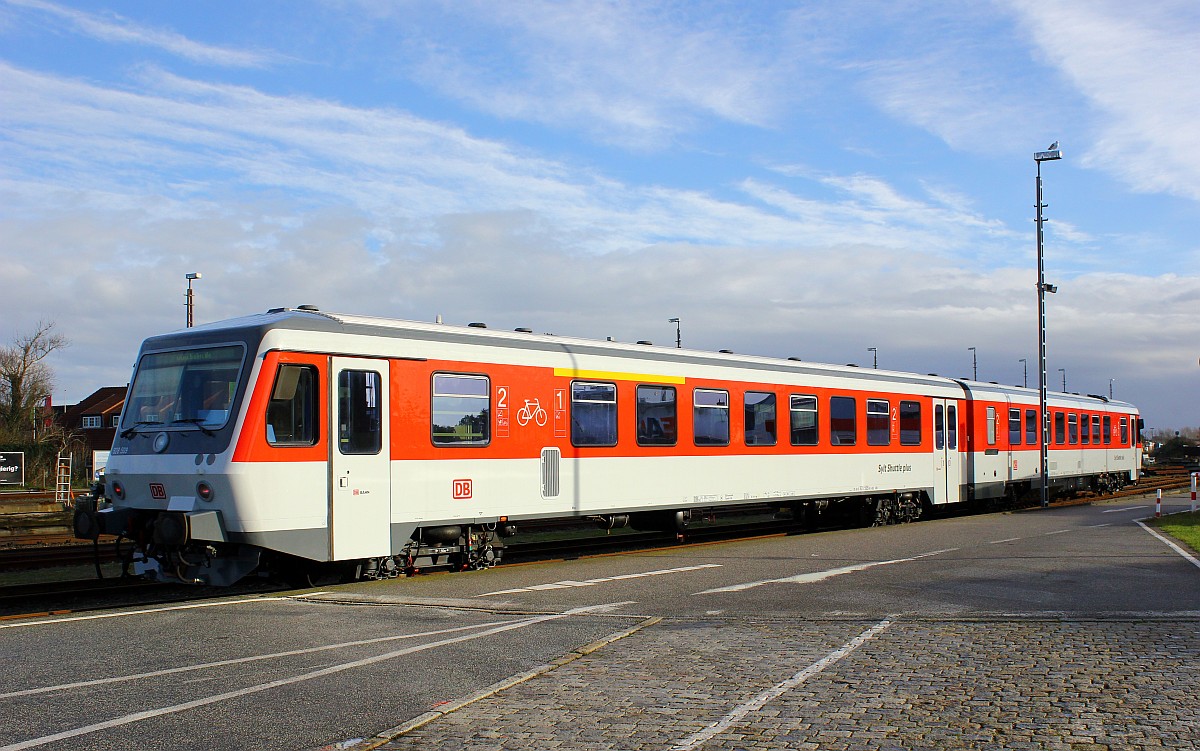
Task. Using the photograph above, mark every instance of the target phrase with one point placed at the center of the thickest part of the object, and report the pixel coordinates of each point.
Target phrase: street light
(678, 339)
(875, 355)
(1050, 155)
(190, 299)
(1025, 368)
(1064, 372)
(1110, 384)
(974, 365)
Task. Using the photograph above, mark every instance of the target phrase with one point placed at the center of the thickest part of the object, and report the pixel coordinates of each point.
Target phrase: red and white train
(300, 440)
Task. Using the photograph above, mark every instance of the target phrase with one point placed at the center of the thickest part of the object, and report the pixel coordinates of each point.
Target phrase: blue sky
(803, 178)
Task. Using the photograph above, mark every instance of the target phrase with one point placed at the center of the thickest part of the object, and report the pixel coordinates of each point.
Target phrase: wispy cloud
(115, 29)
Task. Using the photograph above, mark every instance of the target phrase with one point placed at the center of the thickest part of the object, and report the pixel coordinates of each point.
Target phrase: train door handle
(343, 482)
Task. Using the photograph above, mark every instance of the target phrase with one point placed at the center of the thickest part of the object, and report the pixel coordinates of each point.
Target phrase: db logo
(158, 491)
(462, 489)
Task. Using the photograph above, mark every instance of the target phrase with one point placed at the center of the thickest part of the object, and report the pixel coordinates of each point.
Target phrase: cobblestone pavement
(980, 683)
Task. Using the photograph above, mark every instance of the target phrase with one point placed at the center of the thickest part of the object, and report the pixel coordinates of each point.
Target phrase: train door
(946, 459)
(360, 504)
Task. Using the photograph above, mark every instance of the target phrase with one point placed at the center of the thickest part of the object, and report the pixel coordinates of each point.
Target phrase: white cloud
(118, 30)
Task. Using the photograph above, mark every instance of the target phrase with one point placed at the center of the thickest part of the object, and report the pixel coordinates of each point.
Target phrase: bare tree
(25, 382)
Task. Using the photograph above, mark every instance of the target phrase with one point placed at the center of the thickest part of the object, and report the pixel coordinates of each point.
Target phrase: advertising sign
(12, 467)
(99, 460)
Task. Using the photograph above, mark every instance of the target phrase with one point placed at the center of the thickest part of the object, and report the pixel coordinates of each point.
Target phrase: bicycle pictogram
(532, 411)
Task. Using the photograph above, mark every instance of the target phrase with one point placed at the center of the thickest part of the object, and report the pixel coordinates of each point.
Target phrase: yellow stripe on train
(604, 375)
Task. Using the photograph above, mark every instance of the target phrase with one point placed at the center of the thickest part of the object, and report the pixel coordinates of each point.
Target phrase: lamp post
(190, 299)
(678, 338)
(875, 356)
(1025, 369)
(1051, 154)
(1110, 385)
(974, 365)
(1064, 375)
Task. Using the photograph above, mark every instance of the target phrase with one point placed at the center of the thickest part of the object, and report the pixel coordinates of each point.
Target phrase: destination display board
(12, 467)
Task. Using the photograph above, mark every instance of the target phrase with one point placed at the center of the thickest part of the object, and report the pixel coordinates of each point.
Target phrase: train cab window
(710, 417)
(760, 418)
(360, 416)
(878, 422)
(939, 428)
(843, 428)
(1031, 427)
(952, 427)
(462, 414)
(1014, 427)
(804, 420)
(292, 411)
(1073, 428)
(910, 423)
(1060, 428)
(1085, 430)
(1124, 431)
(593, 414)
(1107, 430)
(1095, 428)
(656, 422)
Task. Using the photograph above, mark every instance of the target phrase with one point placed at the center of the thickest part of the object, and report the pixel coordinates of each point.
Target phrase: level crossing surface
(1066, 628)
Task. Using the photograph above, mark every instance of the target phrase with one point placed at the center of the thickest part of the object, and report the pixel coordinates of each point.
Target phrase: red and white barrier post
(1195, 479)
(1158, 504)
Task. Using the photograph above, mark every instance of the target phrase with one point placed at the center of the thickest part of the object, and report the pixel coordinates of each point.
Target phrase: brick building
(94, 421)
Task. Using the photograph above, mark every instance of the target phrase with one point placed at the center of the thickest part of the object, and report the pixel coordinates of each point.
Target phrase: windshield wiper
(132, 430)
(198, 422)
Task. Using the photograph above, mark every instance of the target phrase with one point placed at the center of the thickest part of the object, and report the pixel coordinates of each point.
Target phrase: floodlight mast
(1051, 154)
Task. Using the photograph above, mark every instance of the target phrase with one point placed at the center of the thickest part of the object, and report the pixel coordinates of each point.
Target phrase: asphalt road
(1069, 628)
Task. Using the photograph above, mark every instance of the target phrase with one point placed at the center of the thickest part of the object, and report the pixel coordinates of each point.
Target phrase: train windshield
(185, 387)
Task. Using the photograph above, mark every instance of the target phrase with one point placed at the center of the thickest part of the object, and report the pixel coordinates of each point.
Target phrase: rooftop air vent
(477, 325)
(309, 308)
(795, 359)
(523, 330)
(647, 343)
(725, 351)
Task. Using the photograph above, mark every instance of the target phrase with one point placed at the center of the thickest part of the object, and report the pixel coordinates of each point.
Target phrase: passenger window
(1085, 431)
(1014, 427)
(1124, 431)
(1073, 428)
(910, 423)
(1060, 428)
(1031, 426)
(656, 422)
(804, 420)
(292, 411)
(1095, 428)
(991, 426)
(1107, 430)
(760, 418)
(878, 422)
(461, 410)
(593, 414)
(952, 426)
(360, 417)
(843, 430)
(710, 417)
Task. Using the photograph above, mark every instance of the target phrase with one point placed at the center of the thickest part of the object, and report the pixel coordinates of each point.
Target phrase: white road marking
(817, 576)
(205, 701)
(1124, 508)
(759, 701)
(1057, 532)
(1097, 526)
(1007, 539)
(125, 613)
(592, 582)
(1191, 558)
(239, 661)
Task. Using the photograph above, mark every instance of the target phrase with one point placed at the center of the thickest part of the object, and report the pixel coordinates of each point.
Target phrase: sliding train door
(947, 461)
(360, 505)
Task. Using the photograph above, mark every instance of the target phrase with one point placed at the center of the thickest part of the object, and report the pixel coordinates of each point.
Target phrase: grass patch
(1184, 527)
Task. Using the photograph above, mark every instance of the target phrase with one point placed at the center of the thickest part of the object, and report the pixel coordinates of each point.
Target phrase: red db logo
(158, 491)
(462, 489)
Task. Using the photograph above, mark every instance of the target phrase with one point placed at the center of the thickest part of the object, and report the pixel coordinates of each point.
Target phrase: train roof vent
(646, 342)
(994, 383)
(309, 308)
(523, 330)
(477, 325)
(725, 351)
(851, 365)
(795, 359)
(275, 310)
(935, 375)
